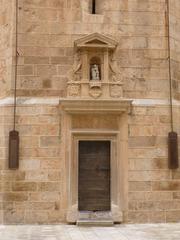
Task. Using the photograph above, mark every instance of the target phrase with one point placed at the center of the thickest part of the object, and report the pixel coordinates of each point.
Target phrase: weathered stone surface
(37, 191)
(150, 196)
(142, 141)
(49, 141)
(137, 216)
(94, 122)
(24, 186)
(49, 186)
(140, 186)
(149, 175)
(6, 46)
(166, 186)
(15, 197)
(173, 216)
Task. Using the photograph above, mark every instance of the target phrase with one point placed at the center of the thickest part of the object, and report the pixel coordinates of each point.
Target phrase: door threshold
(95, 218)
(95, 223)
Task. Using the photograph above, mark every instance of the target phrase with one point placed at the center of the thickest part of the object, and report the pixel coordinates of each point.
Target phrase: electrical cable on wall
(169, 58)
(14, 135)
(16, 63)
(173, 161)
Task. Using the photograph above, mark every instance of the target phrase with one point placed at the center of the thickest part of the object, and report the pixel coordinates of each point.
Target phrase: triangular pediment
(96, 40)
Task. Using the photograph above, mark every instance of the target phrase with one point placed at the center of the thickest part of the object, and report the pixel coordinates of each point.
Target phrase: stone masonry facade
(47, 30)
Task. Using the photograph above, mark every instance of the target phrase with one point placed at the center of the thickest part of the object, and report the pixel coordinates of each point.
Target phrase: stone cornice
(56, 100)
(95, 106)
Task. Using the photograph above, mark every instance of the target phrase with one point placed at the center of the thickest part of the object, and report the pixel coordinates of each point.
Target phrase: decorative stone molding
(96, 40)
(75, 72)
(95, 88)
(95, 92)
(95, 106)
(116, 91)
(116, 110)
(74, 89)
(115, 75)
(95, 69)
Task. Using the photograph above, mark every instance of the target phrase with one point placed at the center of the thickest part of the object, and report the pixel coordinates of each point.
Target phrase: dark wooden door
(94, 176)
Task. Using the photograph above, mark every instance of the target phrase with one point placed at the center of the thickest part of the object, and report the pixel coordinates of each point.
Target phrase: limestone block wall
(34, 193)
(175, 46)
(175, 57)
(47, 30)
(153, 189)
(6, 45)
(46, 33)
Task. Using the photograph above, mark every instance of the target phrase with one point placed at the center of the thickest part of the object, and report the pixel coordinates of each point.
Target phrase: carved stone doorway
(95, 121)
(94, 176)
(94, 110)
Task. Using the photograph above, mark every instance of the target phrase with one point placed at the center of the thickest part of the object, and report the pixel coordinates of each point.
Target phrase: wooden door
(94, 176)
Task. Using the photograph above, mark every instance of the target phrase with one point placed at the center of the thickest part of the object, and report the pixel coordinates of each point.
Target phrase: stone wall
(175, 58)
(33, 194)
(153, 189)
(175, 43)
(6, 48)
(47, 30)
(6, 77)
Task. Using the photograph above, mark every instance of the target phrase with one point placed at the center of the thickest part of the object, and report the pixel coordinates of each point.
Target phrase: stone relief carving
(116, 91)
(75, 72)
(115, 74)
(29, 83)
(74, 87)
(95, 72)
(74, 90)
(116, 78)
(95, 84)
(95, 92)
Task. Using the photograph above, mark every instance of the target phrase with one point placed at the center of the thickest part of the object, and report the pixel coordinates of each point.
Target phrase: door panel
(94, 176)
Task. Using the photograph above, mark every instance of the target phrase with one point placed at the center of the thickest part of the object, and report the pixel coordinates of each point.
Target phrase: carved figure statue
(74, 73)
(95, 74)
(116, 76)
(77, 63)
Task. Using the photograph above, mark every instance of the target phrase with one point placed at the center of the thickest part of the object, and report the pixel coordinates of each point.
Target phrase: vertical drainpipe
(14, 135)
(173, 162)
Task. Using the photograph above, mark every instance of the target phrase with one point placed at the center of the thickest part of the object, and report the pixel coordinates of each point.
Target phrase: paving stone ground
(68, 232)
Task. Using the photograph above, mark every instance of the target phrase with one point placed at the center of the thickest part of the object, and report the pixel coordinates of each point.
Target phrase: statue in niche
(95, 72)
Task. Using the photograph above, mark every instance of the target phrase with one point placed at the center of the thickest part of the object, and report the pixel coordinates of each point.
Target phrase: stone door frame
(113, 170)
(119, 155)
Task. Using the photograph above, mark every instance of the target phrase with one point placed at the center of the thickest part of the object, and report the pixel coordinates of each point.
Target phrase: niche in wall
(95, 72)
(95, 69)
(97, 6)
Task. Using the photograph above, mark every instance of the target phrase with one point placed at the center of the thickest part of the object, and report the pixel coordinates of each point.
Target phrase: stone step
(97, 218)
(94, 215)
(94, 222)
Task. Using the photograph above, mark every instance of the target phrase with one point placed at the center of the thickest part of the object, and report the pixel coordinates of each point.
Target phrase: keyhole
(93, 6)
